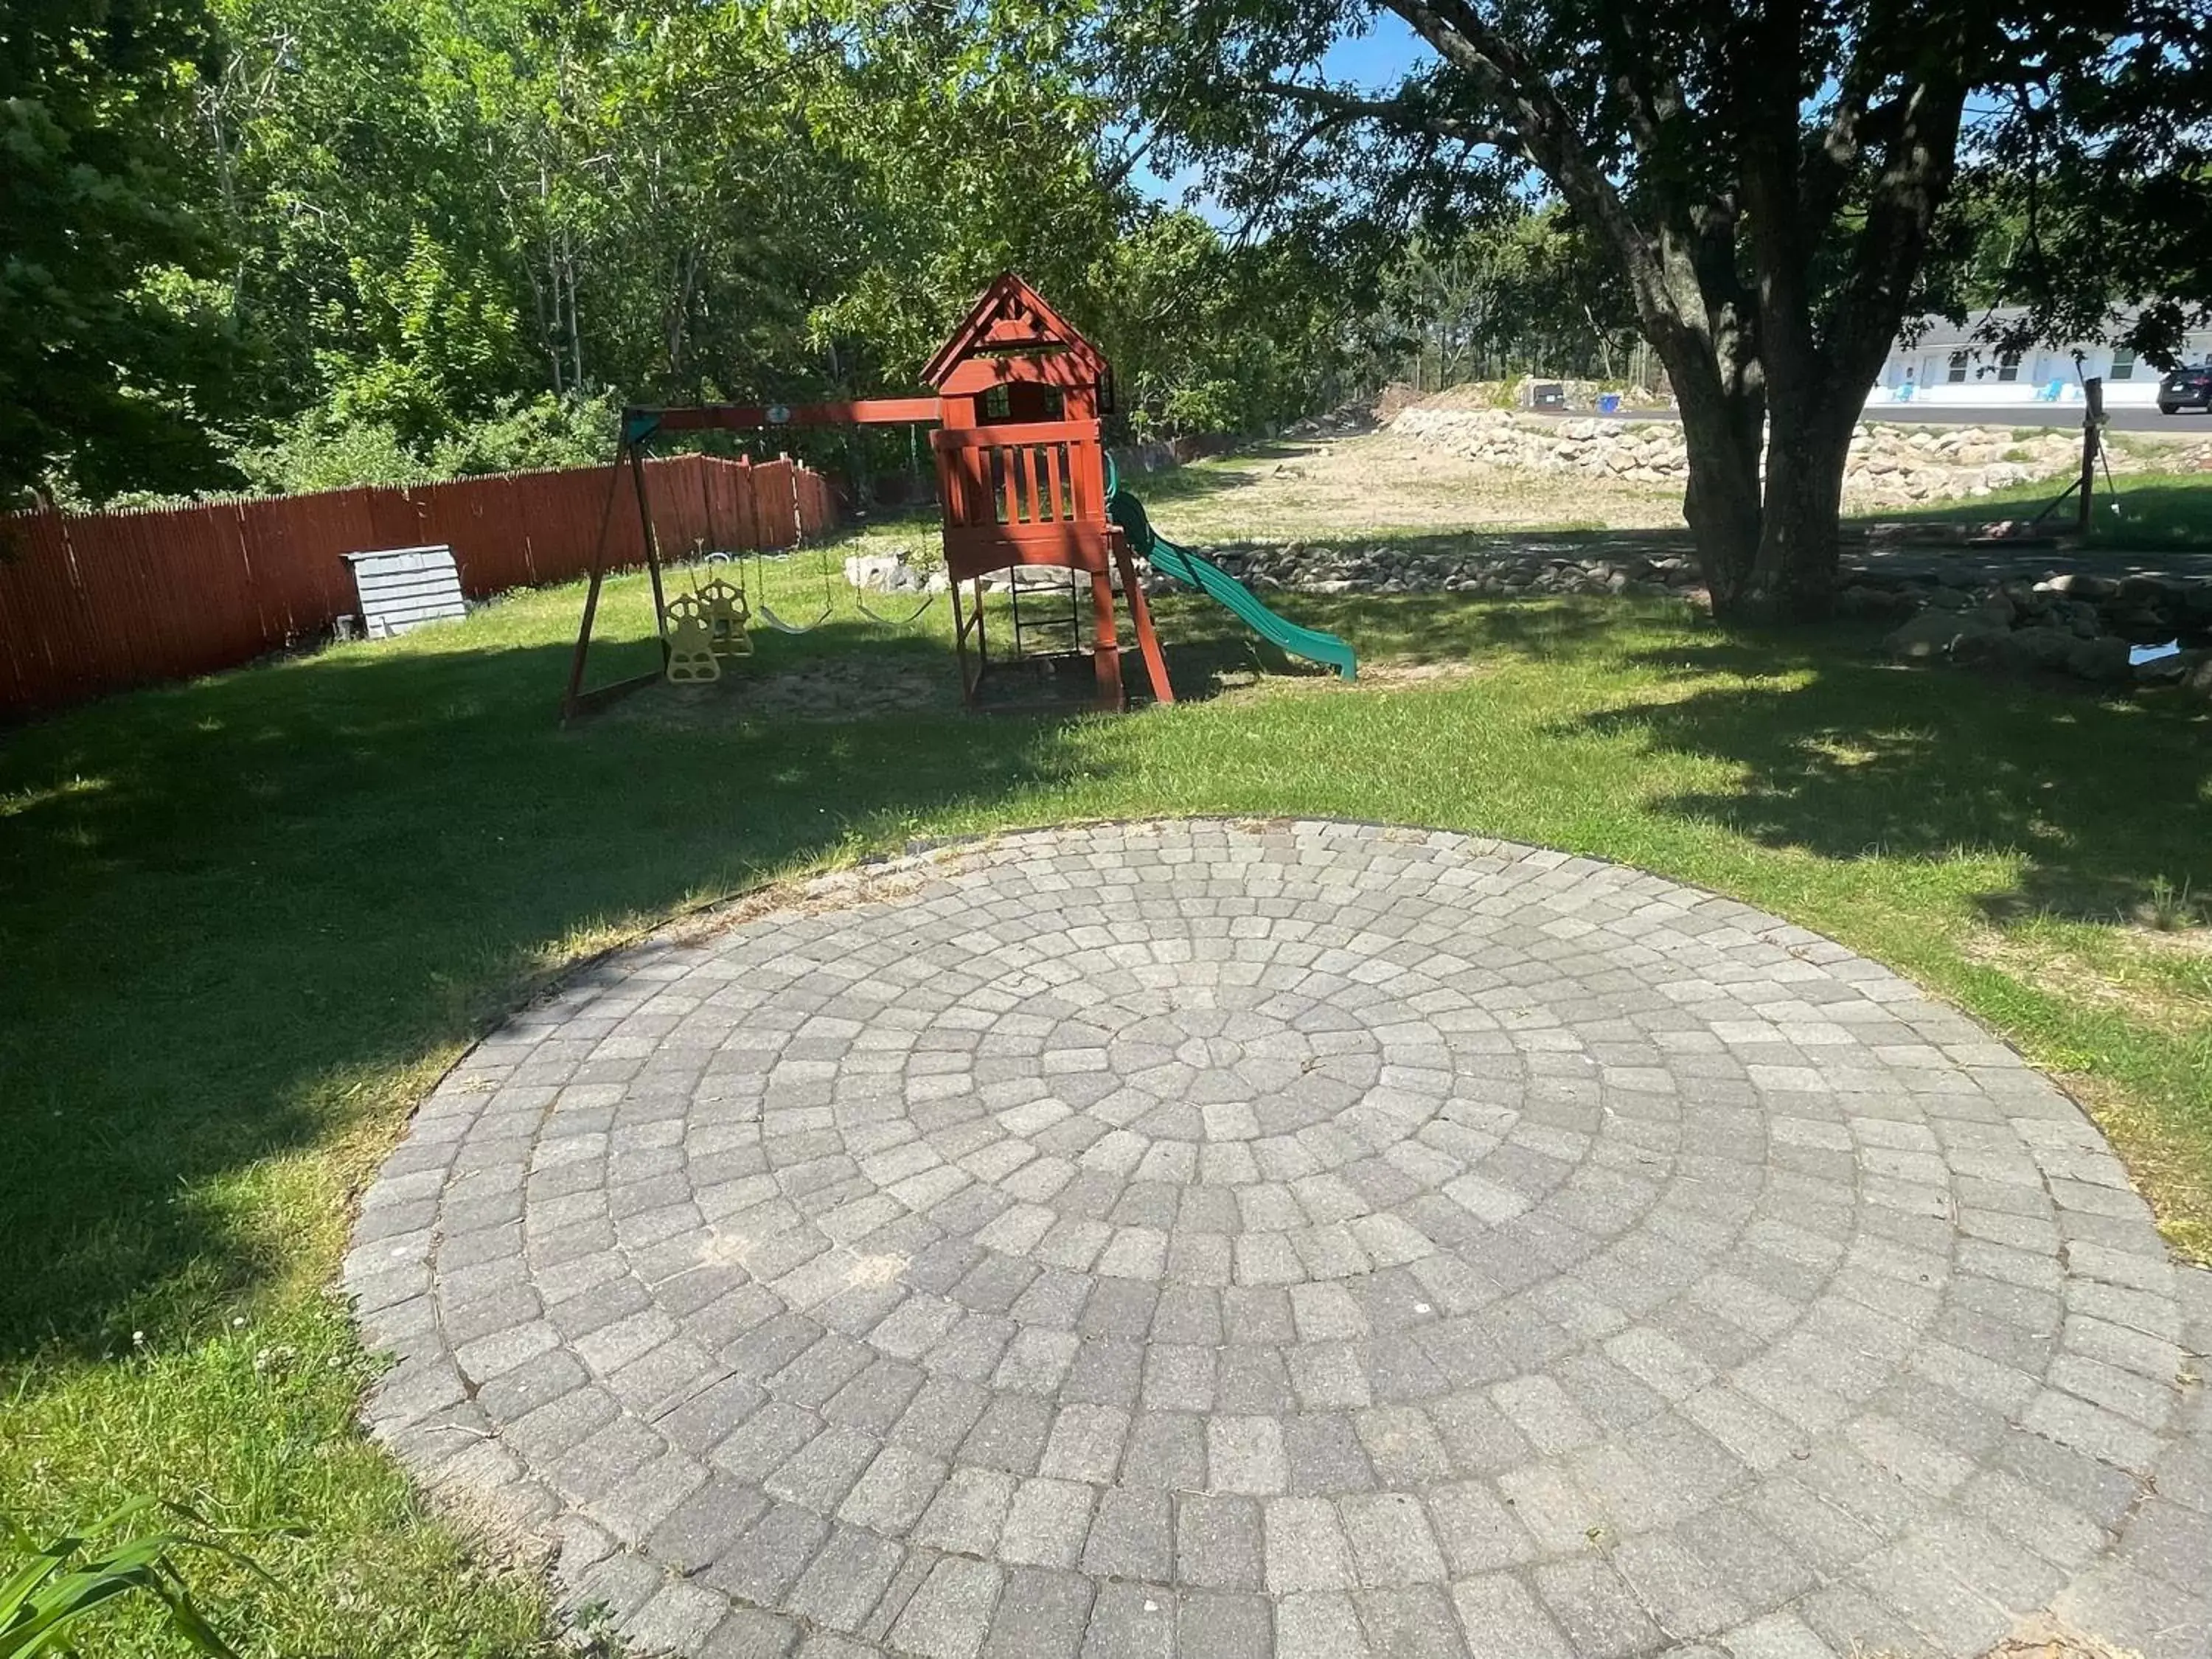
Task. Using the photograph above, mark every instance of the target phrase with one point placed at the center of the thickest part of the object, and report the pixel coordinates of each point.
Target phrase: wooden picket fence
(93, 602)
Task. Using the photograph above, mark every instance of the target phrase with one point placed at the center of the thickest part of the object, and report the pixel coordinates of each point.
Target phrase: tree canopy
(421, 235)
(290, 242)
(110, 351)
(1766, 180)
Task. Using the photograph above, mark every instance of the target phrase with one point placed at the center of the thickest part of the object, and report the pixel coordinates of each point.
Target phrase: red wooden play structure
(1021, 475)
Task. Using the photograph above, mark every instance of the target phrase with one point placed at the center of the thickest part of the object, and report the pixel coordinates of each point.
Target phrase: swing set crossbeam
(745, 417)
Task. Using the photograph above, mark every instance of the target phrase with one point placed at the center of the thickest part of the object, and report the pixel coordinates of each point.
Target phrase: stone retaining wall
(1890, 466)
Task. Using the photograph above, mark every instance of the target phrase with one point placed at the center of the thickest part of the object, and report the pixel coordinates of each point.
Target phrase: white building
(1945, 363)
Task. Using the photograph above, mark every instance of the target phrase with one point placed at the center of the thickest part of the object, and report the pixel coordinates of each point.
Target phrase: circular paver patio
(1221, 1239)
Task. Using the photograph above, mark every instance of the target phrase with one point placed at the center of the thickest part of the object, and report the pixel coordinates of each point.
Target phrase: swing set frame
(640, 427)
(1021, 481)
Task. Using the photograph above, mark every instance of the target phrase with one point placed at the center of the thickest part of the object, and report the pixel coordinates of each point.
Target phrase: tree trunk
(1795, 576)
(1721, 500)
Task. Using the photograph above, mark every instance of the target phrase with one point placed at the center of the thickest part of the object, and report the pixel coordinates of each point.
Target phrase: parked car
(2186, 388)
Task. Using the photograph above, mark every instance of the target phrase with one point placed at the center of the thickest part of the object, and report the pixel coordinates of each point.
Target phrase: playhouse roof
(1012, 316)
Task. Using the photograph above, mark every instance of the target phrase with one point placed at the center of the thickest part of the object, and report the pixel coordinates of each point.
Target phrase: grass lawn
(246, 921)
(2147, 511)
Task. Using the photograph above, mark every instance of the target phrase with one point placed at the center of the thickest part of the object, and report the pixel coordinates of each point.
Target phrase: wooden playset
(1017, 396)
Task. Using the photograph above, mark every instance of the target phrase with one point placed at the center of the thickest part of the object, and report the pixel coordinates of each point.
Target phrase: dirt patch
(815, 896)
(852, 686)
(2042, 1638)
(2128, 986)
(1390, 675)
(1381, 484)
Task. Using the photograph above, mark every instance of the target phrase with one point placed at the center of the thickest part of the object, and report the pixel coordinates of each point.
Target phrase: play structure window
(998, 404)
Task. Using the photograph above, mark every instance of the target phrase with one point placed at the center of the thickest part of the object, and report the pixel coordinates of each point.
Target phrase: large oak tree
(1765, 176)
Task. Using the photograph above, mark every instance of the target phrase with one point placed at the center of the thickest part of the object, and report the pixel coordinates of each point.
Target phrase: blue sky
(1375, 61)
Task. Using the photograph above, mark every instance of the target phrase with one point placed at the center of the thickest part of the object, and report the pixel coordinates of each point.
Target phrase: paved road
(2192, 425)
(2189, 426)
(1308, 1239)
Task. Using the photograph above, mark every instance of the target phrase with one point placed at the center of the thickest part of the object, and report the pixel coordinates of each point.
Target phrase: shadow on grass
(230, 909)
(1450, 628)
(2157, 513)
(1846, 758)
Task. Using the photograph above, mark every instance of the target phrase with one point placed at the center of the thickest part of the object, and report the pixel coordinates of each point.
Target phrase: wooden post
(1105, 643)
(1141, 618)
(2093, 422)
(573, 700)
(960, 648)
(652, 549)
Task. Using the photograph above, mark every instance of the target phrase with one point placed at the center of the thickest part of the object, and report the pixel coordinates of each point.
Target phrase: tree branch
(1547, 135)
(1914, 179)
(1400, 114)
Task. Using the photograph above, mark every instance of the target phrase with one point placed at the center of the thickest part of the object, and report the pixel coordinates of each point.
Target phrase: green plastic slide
(1181, 564)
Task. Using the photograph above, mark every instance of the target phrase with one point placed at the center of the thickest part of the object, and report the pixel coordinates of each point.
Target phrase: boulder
(1933, 633)
(2140, 624)
(2027, 650)
(1860, 600)
(882, 571)
(2103, 661)
(1981, 648)
(2080, 585)
(2145, 588)
(2082, 618)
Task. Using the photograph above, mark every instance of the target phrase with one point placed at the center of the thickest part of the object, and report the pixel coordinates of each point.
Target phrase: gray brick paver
(1307, 1239)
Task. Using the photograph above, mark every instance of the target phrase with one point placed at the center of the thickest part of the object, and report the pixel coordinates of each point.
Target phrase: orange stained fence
(93, 602)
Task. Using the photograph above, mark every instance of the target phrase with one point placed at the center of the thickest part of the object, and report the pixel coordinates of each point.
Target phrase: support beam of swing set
(639, 425)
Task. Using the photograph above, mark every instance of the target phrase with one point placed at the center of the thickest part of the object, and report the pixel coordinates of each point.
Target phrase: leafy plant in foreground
(66, 1582)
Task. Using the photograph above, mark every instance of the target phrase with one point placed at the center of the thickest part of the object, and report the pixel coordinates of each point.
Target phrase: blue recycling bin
(1608, 402)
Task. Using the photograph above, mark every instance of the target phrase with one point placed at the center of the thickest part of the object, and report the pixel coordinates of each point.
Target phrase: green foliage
(1208, 336)
(435, 340)
(1521, 291)
(69, 1583)
(323, 450)
(110, 364)
(536, 433)
(319, 452)
(434, 215)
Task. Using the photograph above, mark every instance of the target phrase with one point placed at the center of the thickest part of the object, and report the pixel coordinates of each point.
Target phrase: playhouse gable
(1012, 320)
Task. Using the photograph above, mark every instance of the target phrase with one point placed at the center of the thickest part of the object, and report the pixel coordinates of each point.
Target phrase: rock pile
(2078, 624)
(1890, 466)
(1339, 422)
(1510, 570)
(886, 573)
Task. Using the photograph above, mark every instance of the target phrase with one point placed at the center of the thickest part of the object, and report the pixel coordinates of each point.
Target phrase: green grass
(2157, 511)
(246, 921)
